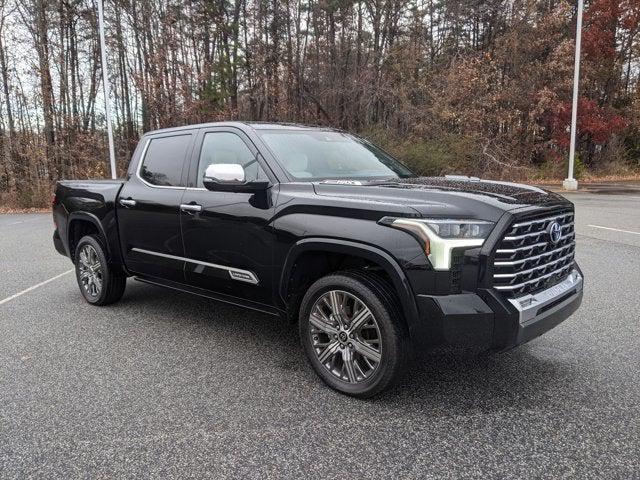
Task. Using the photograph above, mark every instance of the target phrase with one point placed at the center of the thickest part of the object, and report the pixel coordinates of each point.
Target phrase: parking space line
(18, 222)
(614, 229)
(34, 287)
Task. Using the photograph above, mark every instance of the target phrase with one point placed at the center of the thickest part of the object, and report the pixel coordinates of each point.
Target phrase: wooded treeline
(467, 86)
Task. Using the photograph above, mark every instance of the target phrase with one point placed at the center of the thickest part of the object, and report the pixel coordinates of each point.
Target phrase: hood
(446, 196)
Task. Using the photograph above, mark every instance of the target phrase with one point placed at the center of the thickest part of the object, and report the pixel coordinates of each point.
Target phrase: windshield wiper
(341, 182)
(389, 182)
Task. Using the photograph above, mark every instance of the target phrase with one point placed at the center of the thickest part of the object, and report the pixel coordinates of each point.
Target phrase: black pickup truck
(325, 229)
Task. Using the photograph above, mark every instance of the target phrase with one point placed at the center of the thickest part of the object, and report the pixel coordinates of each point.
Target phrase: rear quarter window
(164, 159)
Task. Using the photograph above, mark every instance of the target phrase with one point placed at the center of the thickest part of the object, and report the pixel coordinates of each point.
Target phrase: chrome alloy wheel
(345, 336)
(90, 271)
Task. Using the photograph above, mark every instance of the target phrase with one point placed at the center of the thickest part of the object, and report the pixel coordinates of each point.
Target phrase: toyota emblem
(554, 231)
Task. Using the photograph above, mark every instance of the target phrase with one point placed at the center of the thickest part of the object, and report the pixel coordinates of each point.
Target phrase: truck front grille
(527, 260)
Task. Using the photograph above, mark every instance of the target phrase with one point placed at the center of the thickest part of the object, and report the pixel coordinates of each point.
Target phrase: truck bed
(87, 194)
(88, 201)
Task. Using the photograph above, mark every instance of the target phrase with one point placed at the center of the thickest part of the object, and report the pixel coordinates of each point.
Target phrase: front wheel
(352, 332)
(98, 282)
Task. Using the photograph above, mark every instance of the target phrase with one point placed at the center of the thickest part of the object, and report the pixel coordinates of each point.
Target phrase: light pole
(107, 93)
(571, 183)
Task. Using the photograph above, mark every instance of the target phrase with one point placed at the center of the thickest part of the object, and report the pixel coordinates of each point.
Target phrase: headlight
(459, 228)
(440, 236)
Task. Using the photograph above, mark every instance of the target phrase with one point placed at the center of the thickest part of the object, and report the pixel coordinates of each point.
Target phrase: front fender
(362, 250)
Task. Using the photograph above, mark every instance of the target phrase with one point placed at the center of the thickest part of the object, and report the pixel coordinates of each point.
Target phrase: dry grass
(590, 179)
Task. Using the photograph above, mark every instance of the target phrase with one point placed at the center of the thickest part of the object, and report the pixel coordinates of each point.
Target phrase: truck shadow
(437, 383)
(467, 382)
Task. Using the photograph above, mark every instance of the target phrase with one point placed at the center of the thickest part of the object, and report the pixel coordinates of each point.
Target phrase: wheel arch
(356, 250)
(74, 229)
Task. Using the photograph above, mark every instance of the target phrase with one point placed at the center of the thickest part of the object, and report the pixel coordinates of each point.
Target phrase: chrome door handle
(127, 202)
(190, 208)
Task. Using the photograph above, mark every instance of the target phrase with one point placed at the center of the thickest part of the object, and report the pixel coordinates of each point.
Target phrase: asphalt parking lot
(164, 384)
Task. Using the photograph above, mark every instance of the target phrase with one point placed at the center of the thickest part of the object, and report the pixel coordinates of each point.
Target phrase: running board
(221, 297)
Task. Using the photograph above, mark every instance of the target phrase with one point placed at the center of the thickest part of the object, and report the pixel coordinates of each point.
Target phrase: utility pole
(107, 93)
(571, 183)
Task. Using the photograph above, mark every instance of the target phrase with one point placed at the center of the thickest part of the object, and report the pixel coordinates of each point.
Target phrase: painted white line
(8, 299)
(30, 220)
(614, 229)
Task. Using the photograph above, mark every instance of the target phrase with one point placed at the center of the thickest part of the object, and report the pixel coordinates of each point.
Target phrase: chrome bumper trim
(529, 305)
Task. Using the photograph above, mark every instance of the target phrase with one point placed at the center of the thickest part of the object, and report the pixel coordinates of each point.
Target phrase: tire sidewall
(390, 347)
(106, 272)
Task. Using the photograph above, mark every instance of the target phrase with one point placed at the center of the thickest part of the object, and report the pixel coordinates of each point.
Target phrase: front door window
(227, 147)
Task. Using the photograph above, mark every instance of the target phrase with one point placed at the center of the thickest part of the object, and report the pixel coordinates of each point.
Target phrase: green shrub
(579, 168)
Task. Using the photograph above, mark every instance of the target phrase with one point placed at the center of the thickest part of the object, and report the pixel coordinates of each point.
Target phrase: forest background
(448, 86)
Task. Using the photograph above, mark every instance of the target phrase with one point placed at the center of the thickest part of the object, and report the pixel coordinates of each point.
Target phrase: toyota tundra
(328, 231)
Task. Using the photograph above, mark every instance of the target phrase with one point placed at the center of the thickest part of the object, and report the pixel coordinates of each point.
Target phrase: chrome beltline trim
(235, 273)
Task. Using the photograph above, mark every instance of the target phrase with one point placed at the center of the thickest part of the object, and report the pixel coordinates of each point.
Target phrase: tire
(350, 367)
(98, 282)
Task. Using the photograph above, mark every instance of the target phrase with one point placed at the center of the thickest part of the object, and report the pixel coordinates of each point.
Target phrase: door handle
(191, 208)
(127, 202)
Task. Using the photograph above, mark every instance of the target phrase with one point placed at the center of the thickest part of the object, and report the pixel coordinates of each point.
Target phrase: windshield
(311, 155)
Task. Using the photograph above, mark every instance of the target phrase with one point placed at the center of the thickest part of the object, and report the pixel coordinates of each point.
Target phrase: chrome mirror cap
(224, 173)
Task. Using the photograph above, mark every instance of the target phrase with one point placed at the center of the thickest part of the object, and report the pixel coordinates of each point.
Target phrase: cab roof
(242, 126)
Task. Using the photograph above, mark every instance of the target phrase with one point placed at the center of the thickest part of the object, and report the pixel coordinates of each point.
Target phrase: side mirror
(229, 177)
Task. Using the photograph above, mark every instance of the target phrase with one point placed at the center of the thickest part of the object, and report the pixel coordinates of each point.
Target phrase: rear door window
(164, 159)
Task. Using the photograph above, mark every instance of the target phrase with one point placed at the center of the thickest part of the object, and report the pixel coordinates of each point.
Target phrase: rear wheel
(98, 282)
(353, 334)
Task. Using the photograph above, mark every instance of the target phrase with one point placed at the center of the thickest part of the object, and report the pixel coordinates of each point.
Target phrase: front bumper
(488, 321)
(541, 312)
